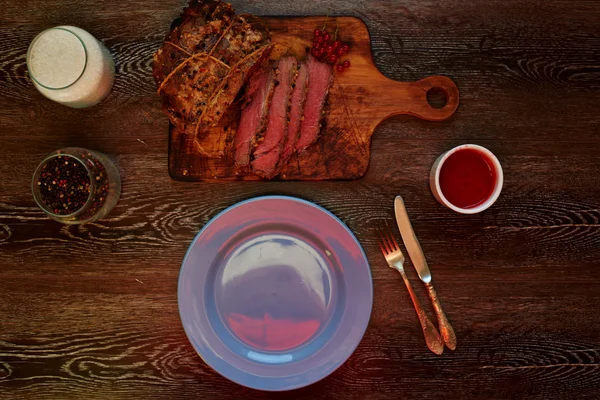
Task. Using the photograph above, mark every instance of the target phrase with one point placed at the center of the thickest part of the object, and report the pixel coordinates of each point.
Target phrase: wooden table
(91, 311)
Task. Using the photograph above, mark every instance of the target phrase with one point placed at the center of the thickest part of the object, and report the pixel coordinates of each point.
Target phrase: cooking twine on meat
(196, 56)
(208, 56)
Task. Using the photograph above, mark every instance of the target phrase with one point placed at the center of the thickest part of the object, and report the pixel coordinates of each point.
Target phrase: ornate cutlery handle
(445, 327)
(432, 337)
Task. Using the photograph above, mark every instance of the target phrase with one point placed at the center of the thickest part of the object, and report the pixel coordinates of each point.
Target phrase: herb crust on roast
(205, 60)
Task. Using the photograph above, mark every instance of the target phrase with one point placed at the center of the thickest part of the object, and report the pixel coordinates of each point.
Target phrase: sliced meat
(266, 154)
(296, 111)
(205, 60)
(254, 114)
(320, 78)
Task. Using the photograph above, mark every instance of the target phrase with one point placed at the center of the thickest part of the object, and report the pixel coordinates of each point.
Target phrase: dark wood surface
(90, 312)
(359, 99)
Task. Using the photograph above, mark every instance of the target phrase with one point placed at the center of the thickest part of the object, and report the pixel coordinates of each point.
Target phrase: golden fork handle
(445, 328)
(432, 337)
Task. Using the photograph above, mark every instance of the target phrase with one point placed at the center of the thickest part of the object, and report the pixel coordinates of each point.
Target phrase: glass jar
(70, 66)
(75, 185)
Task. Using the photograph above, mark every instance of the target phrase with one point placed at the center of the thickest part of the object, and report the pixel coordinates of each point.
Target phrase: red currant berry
(328, 49)
(317, 32)
(317, 45)
(346, 47)
(326, 36)
(340, 68)
(339, 51)
(332, 59)
(315, 52)
(346, 64)
(337, 44)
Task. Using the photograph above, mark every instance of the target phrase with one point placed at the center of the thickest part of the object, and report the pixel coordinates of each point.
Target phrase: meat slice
(320, 78)
(205, 60)
(296, 111)
(254, 114)
(266, 154)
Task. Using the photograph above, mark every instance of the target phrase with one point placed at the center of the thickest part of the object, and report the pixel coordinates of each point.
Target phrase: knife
(418, 260)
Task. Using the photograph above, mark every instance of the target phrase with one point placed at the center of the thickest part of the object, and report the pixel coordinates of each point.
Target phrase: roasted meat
(267, 153)
(254, 114)
(320, 79)
(296, 111)
(205, 60)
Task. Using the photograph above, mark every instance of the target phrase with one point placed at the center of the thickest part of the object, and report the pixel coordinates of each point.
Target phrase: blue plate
(275, 293)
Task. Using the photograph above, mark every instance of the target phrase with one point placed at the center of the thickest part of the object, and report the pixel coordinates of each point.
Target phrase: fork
(395, 259)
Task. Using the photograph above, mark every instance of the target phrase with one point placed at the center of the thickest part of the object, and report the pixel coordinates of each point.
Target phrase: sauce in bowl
(467, 178)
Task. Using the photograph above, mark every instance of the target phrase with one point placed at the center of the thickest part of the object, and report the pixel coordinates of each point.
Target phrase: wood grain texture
(91, 312)
(359, 99)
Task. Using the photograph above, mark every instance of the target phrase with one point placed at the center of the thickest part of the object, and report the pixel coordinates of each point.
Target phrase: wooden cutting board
(360, 98)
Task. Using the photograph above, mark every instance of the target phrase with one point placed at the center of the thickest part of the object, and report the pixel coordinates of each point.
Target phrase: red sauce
(467, 178)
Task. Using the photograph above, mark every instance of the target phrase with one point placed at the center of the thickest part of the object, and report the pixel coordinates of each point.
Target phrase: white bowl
(434, 179)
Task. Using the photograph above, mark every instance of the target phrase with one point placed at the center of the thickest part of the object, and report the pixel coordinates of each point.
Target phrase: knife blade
(410, 240)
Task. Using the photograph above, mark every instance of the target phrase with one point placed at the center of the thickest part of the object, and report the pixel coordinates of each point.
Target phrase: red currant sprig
(327, 50)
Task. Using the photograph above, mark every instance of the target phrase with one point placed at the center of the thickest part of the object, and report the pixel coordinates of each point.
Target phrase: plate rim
(289, 198)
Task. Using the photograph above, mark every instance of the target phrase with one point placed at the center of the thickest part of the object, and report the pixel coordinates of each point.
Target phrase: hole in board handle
(437, 97)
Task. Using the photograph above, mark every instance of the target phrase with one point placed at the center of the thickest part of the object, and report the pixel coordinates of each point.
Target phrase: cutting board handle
(411, 98)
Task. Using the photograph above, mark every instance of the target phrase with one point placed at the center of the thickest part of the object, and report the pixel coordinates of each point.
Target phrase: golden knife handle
(432, 337)
(445, 328)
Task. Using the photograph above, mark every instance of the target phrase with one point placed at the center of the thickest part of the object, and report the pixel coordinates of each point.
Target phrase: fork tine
(384, 239)
(386, 243)
(390, 235)
(393, 239)
(390, 239)
(381, 247)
